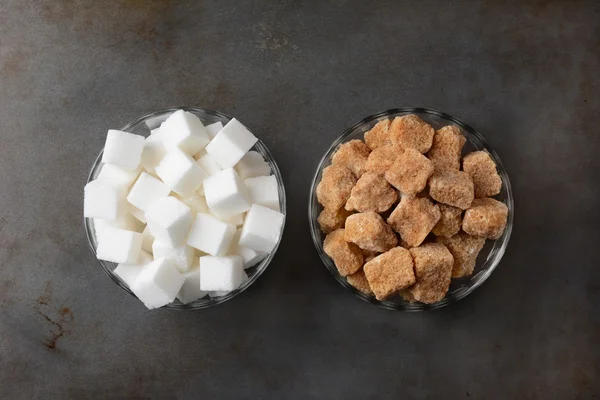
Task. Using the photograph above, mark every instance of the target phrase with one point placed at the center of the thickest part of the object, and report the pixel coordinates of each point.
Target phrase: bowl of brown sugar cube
(411, 209)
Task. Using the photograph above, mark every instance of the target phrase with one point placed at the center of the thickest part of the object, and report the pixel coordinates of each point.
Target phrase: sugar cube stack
(184, 212)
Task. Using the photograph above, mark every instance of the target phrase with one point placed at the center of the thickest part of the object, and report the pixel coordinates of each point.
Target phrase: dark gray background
(526, 74)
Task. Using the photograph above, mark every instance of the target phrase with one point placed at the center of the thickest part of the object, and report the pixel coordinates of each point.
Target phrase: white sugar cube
(124, 221)
(218, 293)
(231, 143)
(147, 239)
(263, 190)
(154, 152)
(221, 273)
(170, 221)
(181, 256)
(209, 164)
(196, 203)
(122, 177)
(185, 131)
(237, 220)
(252, 165)
(146, 190)
(213, 129)
(158, 283)
(190, 291)
(123, 149)
(200, 154)
(103, 199)
(226, 194)
(210, 235)
(129, 272)
(249, 256)
(138, 214)
(262, 229)
(180, 172)
(119, 246)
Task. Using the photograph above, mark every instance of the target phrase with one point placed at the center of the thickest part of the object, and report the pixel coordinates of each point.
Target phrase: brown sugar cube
(446, 149)
(410, 172)
(402, 243)
(390, 272)
(360, 282)
(382, 158)
(450, 221)
(451, 187)
(330, 220)
(369, 255)
(413, 219)
(407, 295)
(378, 135)
(371, 193)
(486, 218)
(433, 269)
(334, 189)
(464, 249)
(411, 132)
(370, 232)
(352, 155)
(483, 171)
(346, 256)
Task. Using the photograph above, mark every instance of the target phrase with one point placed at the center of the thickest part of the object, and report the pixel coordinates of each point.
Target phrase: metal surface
(298, 74)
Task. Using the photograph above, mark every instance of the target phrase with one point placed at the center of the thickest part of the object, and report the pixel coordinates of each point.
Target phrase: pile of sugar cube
(185, 211)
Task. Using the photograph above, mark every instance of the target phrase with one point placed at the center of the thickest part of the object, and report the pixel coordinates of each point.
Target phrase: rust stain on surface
(57, 321)
(57, 329)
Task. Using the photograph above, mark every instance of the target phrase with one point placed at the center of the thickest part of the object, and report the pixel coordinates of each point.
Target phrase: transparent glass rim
(207, 301)
(493, 258)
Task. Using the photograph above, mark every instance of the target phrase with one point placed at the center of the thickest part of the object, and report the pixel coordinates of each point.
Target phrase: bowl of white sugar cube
(184, 208)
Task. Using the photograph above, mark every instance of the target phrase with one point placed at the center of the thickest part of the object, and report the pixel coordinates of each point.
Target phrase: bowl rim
(406, 306)
(207, 301)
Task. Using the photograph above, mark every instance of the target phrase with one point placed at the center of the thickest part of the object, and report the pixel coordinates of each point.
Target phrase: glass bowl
(490, 255)
(143, 126)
